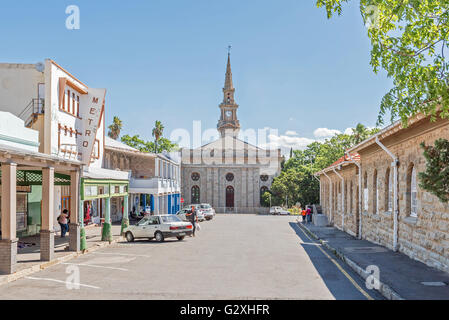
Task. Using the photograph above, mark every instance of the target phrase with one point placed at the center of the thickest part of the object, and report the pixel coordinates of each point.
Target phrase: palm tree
(157, 133)
(360, 133)
(115, 128)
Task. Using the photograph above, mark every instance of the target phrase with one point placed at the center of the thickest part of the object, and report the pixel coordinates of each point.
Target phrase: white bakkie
(159, 228)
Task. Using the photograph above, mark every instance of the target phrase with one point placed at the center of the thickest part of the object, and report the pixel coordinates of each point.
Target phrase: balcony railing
(32, 110)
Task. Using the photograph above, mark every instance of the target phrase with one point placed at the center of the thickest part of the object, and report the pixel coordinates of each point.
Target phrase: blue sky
(293, 69)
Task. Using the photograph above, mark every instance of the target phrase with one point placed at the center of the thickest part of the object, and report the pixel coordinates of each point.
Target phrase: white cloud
(291, 133)
(348, 131)
(325, 132)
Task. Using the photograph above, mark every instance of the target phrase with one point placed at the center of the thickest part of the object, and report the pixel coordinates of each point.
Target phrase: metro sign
(182, 200)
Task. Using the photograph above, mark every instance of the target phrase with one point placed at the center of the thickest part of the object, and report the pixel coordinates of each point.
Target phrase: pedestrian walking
(193, 217)
(63, 222)
(303, 213)
(309, 214)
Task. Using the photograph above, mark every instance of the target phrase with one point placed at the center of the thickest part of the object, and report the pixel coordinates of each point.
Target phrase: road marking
(65, 282)
(95, 266)
(122, 254)
(355, 284)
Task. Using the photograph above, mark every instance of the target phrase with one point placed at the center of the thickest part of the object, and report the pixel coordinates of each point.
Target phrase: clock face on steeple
(228, 114)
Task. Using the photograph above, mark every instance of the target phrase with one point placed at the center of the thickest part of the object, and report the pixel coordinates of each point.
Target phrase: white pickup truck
(159, 228)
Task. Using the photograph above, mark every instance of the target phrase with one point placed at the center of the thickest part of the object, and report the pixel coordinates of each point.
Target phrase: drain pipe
(330, 196)
(342, 199)
(360, 193)
(394, 164)
(319, 180)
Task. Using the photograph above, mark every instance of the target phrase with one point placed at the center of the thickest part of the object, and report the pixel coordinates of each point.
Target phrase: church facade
(230, 174)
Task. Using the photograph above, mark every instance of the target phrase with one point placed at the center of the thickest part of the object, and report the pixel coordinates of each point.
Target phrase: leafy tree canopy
(163, 144)
(409, 40)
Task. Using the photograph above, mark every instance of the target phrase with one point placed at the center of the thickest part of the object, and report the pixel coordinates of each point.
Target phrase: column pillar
(74, 226)
(8, 242)
(47, 233)
(125, 219)
(106, 232)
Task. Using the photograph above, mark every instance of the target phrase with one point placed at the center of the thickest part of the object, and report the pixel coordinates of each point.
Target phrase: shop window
(389, 190)
(375, 192)
(412, 190)
(365, 192)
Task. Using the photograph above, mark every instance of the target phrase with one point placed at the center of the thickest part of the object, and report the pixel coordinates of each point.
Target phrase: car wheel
(180, 238)
(159, 236)
(129, 237)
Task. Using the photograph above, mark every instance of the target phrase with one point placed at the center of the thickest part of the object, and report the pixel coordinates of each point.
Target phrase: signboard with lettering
(91, 106)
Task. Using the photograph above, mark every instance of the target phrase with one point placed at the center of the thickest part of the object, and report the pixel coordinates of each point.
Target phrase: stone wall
(424, 237)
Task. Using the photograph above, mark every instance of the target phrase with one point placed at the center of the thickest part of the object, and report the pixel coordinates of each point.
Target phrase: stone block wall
(424, 237)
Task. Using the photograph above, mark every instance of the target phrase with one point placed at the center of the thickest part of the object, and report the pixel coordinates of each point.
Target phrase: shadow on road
(337, 283)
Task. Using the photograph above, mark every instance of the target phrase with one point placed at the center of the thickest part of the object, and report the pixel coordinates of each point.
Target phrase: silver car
(207, 210)
(159, 228)
(183, 213)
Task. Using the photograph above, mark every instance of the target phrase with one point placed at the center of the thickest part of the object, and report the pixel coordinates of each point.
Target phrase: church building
(229, 173)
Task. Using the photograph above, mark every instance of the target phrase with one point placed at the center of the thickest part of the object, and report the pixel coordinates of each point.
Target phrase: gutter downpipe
(360, 194)
(394, 164)
(342, 198)
(330, 197)
(319, 180)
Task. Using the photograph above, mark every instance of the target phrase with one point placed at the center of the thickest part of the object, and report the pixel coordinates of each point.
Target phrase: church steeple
(228, 123)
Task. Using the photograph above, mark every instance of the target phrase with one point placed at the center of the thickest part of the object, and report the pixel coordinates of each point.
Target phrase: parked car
(187, 210)
(279, 211)
(207, 210)
(159, 228)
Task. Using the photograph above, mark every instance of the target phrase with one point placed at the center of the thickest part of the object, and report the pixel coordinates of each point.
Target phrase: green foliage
(409, 40)
(157, 133)
(265, 199)
(436, 177)
(149, 146)
(296, 181)
(115, 128)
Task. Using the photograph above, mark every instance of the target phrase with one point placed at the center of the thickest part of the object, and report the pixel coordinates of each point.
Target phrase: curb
(384, 289)
(44, 265)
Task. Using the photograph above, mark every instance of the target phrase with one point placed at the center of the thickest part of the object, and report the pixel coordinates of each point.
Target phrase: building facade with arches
(228, 173)
(391, 209)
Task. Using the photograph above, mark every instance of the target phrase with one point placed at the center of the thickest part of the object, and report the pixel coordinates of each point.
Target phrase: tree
(157, 133)
(436, 177)
(115, 128)
(409, 40)
(149, 146)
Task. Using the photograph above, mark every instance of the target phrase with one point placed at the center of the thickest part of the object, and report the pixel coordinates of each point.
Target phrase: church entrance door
(229, 197)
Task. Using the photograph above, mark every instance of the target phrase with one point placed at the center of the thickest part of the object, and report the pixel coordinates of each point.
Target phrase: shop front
(103, 202)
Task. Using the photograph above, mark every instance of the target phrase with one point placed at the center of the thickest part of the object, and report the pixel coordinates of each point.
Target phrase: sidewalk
(400, 276)
(28, 257)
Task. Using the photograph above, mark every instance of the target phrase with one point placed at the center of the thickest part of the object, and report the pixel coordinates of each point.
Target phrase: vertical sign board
(91, 105)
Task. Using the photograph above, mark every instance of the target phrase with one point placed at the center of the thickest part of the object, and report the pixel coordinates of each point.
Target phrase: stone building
(154, 179)
(380, 193)
(229, 173)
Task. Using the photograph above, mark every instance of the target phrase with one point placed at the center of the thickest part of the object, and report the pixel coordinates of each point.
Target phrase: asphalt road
(232, 257)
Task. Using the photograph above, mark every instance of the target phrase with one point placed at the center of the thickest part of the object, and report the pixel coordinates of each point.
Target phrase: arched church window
(195, 195)
(195, 176)
(229, 177)
(264, 177)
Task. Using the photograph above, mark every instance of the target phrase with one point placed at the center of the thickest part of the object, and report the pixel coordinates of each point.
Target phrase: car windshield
(167, 219)
(143, 221)
(205, 206)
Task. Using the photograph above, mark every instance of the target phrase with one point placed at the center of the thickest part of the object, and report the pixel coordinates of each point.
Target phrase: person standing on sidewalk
(309, 214)
(63, 222)
(303, 213)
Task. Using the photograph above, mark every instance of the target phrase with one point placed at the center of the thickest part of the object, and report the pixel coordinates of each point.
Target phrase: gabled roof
(111, 143)
(355, 156)
(229, 141)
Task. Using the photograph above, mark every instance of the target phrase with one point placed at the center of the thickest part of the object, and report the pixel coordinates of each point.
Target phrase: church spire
(228, 123)
(228, 80)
